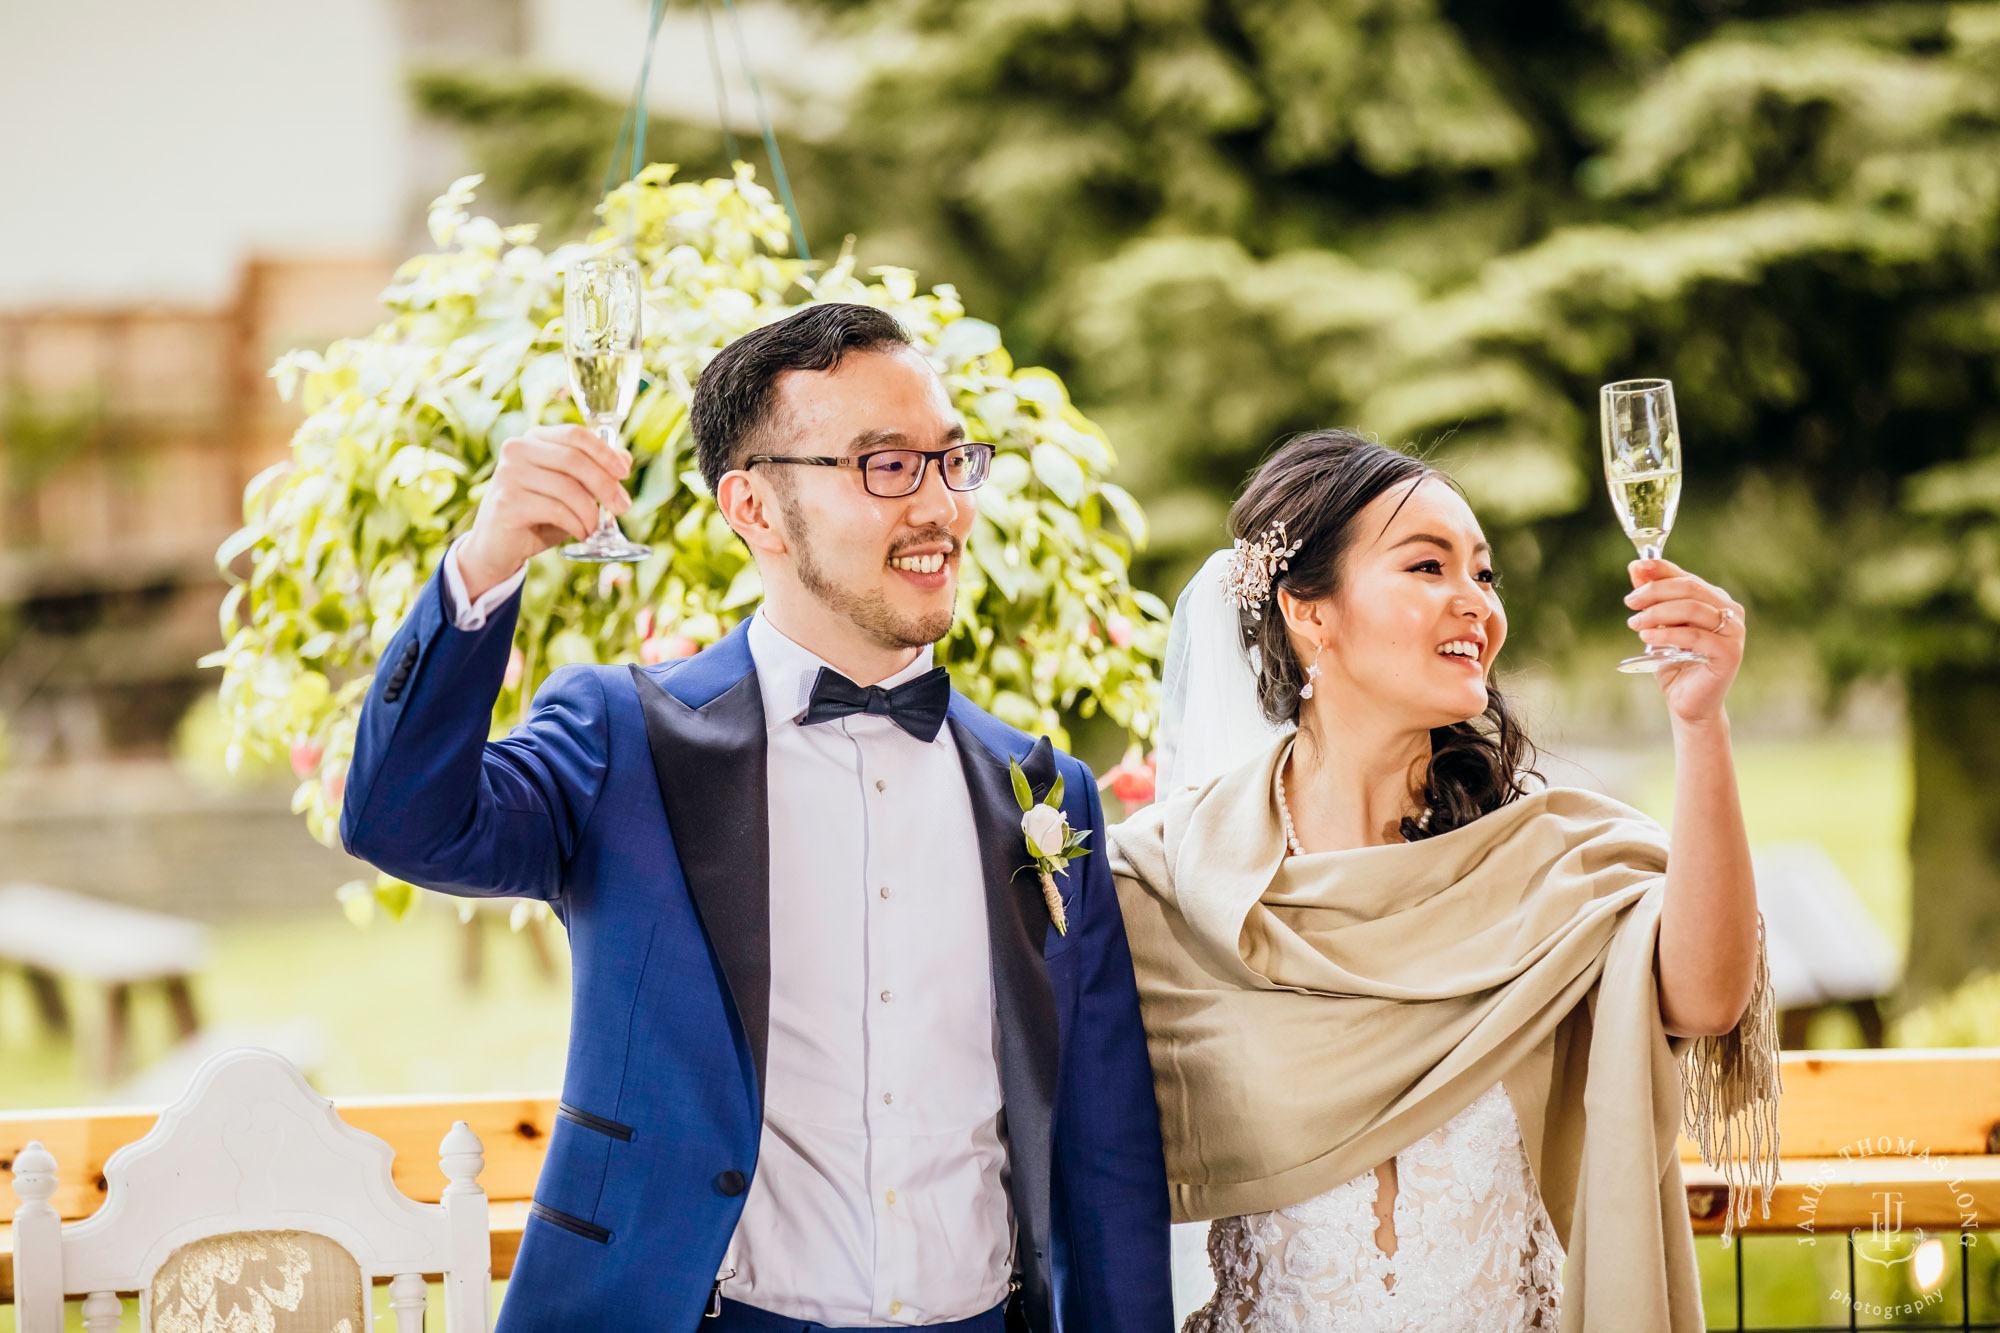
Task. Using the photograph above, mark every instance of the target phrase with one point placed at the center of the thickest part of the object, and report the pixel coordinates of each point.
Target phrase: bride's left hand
(1675, 609)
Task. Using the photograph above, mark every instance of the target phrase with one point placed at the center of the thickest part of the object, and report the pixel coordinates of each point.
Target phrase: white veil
(1210, 721)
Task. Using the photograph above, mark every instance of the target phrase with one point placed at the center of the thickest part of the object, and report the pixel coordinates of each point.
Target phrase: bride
(1414, 1026)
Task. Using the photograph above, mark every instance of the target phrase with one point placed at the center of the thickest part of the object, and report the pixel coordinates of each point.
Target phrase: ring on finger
(1727, 618)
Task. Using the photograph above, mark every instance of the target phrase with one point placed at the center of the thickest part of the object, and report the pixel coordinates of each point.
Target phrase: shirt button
(885, 890)
(887, 996)
(895, 1307)
(892, 1196)
(888, 1099)
(881, 785)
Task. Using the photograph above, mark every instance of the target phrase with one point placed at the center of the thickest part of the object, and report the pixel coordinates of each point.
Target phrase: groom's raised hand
(545, 490)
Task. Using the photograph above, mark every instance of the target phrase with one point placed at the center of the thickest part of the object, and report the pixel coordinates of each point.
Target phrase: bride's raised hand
(1679, 610)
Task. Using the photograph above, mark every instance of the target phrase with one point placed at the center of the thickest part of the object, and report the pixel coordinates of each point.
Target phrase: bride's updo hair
(1317, 484)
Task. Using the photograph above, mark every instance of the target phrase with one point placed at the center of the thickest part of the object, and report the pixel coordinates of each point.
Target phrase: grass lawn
(384, 1318)
(390, 1011)
(1852, 796)
(1800, 1280)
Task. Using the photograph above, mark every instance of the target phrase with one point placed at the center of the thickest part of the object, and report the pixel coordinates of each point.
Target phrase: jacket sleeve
(1110, 1179)
(429, 799)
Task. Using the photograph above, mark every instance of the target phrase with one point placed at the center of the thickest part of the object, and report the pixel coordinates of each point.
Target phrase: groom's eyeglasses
(894, 473)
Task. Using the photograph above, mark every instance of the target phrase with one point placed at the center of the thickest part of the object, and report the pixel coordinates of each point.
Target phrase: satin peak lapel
(710, 759)
(1018, 927)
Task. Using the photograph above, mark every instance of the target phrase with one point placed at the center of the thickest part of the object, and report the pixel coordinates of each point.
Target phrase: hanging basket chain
(778, 176)
(721, 86)
(633, 127)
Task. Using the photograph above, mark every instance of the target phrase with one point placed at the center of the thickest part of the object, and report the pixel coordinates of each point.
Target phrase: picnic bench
(1826, 950)
(1923, 1125)
(53, 934)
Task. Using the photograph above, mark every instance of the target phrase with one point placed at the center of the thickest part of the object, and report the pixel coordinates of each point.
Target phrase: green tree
(1446, 222)
(405, 424)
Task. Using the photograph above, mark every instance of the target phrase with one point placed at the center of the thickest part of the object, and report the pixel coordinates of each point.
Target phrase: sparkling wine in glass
(601, 336)
(1642, 464)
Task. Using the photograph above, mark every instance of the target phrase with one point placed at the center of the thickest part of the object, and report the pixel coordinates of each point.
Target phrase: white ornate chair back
(253, 1204)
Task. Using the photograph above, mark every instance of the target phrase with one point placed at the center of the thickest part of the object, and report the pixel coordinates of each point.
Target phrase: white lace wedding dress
(1475, 1250)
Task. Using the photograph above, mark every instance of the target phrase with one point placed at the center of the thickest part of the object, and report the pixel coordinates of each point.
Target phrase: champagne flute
(1642, 463)
(601, 335)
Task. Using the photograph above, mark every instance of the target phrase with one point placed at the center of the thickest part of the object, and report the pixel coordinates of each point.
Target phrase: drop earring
(1312, 673)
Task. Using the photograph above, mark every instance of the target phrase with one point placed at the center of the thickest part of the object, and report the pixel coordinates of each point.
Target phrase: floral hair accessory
(1256, 565)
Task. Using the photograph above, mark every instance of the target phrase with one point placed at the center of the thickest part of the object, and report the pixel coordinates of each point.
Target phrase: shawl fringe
(1730, 1086)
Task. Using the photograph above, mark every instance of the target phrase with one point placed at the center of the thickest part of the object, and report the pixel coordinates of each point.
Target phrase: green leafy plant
(405, 423)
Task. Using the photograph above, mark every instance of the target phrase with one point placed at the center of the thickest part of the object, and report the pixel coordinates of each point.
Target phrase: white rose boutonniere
(1052, 843)
(1047, 828)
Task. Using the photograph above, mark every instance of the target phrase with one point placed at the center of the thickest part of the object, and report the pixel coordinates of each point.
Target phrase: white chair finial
(34, 1175)
(468, 1288)
(38, 1293)
(463, 1157)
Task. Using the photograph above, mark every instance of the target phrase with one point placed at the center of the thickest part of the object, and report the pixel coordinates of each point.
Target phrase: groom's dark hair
(733, 399)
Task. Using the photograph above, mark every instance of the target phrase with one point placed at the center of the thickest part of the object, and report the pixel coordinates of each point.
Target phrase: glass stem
(607, 526)
(1651, 551)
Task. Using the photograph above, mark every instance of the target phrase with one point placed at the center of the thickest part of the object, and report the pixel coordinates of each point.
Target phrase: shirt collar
(786, 671)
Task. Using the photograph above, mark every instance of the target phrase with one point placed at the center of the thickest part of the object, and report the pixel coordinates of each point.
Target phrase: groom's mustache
(929, 537)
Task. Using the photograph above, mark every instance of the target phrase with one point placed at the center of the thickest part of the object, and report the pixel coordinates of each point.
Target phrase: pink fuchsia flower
(610, 577)
(306, 756)
(516, 664)
(667, 647)
(1120, 629)
(1133, 782)
(334, 785)
(644, 623)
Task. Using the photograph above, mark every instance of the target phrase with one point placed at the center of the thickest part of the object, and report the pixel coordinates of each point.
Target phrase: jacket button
(732, 1183)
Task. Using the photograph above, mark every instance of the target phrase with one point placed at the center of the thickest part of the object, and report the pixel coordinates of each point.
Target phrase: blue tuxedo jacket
(633, 800)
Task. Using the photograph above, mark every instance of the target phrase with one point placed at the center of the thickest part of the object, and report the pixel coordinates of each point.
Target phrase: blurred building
(196, 188)
(192, 189)
(126, 436)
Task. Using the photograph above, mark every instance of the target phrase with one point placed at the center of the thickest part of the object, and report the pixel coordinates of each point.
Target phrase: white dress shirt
(880, 1192)
(472, 615)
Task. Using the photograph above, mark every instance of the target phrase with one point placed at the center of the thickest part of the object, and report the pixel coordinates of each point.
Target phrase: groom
(830, 1063)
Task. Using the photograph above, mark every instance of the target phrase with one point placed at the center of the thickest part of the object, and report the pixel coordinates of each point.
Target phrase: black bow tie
(917, 706)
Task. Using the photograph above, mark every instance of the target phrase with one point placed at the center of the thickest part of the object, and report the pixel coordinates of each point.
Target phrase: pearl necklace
(1285, 811)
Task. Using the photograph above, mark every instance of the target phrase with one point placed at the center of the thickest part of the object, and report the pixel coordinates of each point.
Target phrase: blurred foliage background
(404, 432)
(1446, 224)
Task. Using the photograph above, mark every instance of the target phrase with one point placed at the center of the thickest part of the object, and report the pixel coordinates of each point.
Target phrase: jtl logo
(1884, 1227)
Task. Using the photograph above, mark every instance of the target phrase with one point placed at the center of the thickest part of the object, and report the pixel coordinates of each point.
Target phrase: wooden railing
(1924, 1125)
(1854, 1124)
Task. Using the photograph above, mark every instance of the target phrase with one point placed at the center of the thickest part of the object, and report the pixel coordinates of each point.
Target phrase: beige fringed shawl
(1309, 1017)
